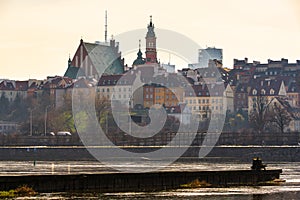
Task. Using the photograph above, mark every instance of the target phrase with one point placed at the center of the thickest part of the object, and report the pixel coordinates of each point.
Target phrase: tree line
(32, 111)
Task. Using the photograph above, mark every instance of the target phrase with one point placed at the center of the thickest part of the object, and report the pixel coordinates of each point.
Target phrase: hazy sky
(37, 36)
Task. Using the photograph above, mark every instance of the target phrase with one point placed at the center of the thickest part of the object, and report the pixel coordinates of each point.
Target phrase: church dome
(139, 60)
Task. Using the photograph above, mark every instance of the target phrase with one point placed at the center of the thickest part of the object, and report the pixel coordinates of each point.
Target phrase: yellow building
(161, 95)
(209, 100)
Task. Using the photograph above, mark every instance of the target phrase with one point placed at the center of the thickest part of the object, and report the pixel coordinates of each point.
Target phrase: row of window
(206, 108)
(149, 89)
(201, 94)
(150, 96)
(263, 92)
(113, 89)
(7, 127)
(203, 101)
(114, 82)
(119, 96)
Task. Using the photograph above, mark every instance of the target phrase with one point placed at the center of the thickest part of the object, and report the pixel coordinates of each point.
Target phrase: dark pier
(125, 182)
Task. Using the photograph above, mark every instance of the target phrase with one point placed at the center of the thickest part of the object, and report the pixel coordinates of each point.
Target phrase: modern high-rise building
(210, 53)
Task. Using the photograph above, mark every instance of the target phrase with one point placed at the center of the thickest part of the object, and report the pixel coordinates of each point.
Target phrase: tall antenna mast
(106, 26)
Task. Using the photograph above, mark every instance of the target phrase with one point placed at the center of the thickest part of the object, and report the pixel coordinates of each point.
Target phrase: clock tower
(151, 54)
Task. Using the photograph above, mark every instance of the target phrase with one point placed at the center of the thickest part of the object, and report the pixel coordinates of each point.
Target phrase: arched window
(254, 92)
(272, 92)
(263, 91)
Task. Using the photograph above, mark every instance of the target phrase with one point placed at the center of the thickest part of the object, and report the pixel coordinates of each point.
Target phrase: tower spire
(151, 54)
(69, 61)
(150, 20)
(105, 26)
(139, 44)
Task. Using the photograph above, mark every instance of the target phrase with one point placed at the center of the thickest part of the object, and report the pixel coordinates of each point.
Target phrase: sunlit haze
(38, 36)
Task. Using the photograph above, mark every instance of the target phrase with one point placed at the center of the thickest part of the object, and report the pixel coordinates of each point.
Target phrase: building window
(254, 92)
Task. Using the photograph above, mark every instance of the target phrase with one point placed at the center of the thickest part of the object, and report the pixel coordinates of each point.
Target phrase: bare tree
(280, 117)
(260, 115)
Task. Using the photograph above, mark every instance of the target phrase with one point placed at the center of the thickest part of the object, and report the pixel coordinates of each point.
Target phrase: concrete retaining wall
(219, 153)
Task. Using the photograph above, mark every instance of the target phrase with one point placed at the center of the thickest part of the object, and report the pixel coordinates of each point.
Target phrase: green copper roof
(105, 58)
(139, 60)
(74, 72)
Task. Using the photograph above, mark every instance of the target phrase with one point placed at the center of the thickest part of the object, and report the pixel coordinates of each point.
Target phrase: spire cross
(150, 18)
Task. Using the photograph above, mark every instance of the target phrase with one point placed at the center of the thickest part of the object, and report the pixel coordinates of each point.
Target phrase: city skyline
(39, 36)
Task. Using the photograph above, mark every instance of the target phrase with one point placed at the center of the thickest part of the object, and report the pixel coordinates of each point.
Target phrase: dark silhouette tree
(280, 117)
(260, 115)
(4, 107)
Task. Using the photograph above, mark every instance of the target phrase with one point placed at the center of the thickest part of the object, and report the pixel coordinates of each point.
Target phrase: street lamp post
(30, 122)
(46, 112)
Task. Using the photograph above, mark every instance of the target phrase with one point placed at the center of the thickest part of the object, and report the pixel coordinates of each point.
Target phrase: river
(288, 190)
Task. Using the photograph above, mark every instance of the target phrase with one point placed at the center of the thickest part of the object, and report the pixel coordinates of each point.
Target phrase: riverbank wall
(218, 153)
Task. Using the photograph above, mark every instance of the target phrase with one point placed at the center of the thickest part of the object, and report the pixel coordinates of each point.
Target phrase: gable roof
(271, 87)
(105, 58)
(7, 85)
(21, 85)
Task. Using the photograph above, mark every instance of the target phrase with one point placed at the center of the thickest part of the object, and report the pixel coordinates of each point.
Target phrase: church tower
(151, 54)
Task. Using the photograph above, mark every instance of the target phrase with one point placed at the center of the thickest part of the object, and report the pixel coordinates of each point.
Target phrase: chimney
(235, 61)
